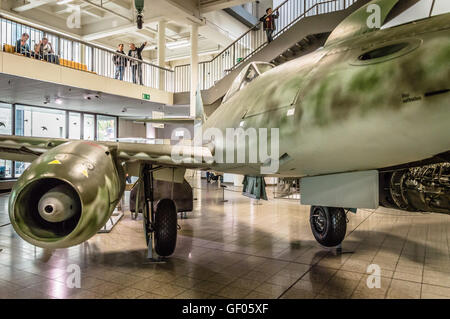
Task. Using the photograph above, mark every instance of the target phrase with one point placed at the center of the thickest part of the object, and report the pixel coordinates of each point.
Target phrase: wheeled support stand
(223, 193)
(152, 256)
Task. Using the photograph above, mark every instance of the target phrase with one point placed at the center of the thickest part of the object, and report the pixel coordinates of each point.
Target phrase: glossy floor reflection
(239, 249)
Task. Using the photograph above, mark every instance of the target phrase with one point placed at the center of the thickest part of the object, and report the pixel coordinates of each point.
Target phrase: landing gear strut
(160, 220)
(328, 225)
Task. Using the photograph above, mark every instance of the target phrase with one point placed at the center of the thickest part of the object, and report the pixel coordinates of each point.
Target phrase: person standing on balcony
(136, 67)
(269, 23)
(120, 62)
(22, 46)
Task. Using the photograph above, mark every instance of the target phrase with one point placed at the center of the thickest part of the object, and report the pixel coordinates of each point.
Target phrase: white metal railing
(252, 41)
(84, 56)
(91, 58)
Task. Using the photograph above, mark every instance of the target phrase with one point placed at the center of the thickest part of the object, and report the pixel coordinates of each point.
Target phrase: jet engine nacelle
(66, 195)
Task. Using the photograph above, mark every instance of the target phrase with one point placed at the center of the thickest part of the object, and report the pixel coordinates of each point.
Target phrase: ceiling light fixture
(64, 2)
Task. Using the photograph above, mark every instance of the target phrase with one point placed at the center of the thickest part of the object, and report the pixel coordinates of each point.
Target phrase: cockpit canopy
(247, 75)
(414, 10)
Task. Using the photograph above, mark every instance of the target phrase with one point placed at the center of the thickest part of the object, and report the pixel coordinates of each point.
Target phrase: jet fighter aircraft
(363, 121)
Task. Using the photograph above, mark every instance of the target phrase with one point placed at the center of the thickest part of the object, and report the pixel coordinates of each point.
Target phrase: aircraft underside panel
(350, 190)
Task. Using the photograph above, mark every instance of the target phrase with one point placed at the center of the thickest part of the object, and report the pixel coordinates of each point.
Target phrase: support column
(194, 67)
(162, 53)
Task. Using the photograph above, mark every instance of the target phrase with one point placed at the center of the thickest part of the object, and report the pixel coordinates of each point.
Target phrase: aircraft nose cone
(58, 204)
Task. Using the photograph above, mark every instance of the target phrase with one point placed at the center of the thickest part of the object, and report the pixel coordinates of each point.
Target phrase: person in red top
(269, 23)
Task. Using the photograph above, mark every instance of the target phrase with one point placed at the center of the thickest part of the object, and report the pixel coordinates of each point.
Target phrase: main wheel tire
(328, 225)
(165, 227)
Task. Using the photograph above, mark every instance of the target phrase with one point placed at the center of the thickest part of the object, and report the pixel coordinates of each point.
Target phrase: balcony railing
(84, 56)
(254, 40)
(76, 54)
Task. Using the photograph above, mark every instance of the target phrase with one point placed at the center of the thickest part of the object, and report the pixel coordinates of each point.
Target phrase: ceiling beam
(214, 5)
(181, 7)
(221, 28)
(141, 34)
(103, 29)
(119, 3)
(122, 7)
(127, 17)
(93, 13)
(67, 9)
(32, 4)
(104, 33)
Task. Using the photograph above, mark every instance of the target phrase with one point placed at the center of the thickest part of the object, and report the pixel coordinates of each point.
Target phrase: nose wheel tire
(328, 225)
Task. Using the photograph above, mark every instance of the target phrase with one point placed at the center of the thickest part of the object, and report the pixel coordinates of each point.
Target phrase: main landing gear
(160, 219)
(328, 225)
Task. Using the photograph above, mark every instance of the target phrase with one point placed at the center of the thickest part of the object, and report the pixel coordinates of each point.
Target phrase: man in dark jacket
(136, 67)
(22, 46)
(269, 23)
(120, 62)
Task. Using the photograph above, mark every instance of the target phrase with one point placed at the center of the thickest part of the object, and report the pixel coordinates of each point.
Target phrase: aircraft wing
(27, 149)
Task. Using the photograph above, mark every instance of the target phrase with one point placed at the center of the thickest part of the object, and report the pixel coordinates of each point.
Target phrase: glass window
(5, 119)
(6, 129)
(74, 126)
(247, 75)
(19, 168)
(264, 67)
(106, 128)
(89, 127)
(40, 122)
(5, 169)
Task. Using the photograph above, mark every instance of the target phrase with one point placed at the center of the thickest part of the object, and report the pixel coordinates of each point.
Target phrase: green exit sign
(145, 96)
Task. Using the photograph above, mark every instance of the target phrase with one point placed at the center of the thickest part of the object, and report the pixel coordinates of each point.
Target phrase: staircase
(301, 47)
(302, 27)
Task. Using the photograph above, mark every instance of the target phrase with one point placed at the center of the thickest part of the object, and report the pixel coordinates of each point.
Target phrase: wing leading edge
(27, 149)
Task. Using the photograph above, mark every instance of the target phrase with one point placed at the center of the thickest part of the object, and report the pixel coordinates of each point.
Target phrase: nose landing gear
(328, 225)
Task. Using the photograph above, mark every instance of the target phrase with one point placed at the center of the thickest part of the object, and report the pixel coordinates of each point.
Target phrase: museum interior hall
(225, 149)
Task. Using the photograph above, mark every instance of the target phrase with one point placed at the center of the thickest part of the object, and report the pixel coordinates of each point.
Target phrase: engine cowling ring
(90, 171)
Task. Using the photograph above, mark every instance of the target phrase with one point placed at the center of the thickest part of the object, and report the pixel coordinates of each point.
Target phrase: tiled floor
(239, 249)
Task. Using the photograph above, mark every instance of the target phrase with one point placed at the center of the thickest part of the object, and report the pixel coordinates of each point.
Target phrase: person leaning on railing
(136, 67)
(22, 46)
(45, 51)
(120, 62)
(269, 23)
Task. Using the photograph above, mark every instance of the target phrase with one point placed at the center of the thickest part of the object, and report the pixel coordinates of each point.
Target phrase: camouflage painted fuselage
(352, 114)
